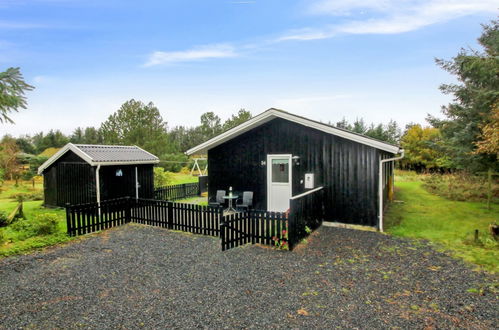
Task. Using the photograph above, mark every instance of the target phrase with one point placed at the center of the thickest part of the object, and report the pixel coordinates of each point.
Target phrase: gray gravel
(137, 276)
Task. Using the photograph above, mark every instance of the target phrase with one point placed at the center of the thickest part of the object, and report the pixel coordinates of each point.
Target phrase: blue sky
(321, 59)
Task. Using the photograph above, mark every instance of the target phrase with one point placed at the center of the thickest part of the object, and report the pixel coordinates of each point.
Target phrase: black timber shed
(82, 173)
(279, 156)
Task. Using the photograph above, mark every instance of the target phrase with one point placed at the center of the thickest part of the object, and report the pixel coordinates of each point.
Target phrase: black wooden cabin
(278, 155)
(80, 173)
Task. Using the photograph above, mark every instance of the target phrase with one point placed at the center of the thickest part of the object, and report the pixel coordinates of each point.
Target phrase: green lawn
(15, 239)
(418, 214)
(179, 178)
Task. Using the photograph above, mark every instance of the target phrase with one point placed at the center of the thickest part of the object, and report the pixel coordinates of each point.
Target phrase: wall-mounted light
(296, 160)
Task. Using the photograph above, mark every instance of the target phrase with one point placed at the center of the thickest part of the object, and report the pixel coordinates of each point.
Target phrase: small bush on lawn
(3, 219)
(46, 223)
(23, 197)
(2, 238)
(42, 224)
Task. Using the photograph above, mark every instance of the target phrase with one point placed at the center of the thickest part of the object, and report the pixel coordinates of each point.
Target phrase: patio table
(230, 198)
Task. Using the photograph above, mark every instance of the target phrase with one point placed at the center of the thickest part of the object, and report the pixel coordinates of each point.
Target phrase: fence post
(222, 235)
(68, 218)
(291, 225)
(128, 210)
(169, 210)
(184, 186)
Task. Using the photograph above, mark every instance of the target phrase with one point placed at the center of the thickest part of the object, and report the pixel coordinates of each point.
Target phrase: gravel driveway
(137, 276)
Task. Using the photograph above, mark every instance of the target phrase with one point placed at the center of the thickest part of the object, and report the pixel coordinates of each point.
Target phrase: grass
(416, 213)
(16, 240)
(179, 178)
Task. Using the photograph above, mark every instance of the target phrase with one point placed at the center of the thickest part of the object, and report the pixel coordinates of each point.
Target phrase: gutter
(380, 186)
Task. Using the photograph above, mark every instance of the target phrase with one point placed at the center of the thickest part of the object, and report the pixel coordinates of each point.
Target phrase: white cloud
(194, 54)
(387, 17)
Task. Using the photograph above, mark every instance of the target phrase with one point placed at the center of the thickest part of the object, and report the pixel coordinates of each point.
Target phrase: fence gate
(253, 227)
(235, 230)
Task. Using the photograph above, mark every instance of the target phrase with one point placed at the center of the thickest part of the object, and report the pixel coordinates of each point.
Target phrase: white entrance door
(278, 182)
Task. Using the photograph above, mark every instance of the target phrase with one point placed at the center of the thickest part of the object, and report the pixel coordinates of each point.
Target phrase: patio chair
(219, 199)
(247, 201)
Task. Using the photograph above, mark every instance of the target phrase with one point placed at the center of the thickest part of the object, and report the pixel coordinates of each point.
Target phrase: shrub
(162, 177)
(460, 187)
(46, 224)
(22, 197)
(42, 224)
(2, 238)
(3, 219)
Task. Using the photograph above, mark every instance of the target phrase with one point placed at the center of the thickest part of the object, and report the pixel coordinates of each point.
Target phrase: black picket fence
(88, 218)
(252, 226)
(263, 227)
(191, 218)
(306, 214)
(178, 191)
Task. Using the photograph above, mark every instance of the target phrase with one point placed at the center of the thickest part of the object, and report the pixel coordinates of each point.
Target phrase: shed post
(97, 187)
(136, 183)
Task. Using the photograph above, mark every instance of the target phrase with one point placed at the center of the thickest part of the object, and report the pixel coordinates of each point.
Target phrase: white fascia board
(60, 153)
(272, 114)
(233, 132)
(124, 163)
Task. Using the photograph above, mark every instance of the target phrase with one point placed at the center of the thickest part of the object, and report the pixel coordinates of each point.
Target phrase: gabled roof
(104, 155)
(273, 113)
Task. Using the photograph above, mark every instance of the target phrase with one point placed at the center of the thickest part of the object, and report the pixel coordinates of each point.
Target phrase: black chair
(247, 201)
(219, 199)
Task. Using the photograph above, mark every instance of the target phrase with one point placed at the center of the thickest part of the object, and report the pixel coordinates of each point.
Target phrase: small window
(280, 170)
(119, 172)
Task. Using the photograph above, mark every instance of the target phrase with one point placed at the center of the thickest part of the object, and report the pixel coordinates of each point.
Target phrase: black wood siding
(72, 180)
(348, 170)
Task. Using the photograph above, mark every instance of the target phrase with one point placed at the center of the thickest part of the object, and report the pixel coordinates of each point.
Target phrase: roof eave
(273, 113)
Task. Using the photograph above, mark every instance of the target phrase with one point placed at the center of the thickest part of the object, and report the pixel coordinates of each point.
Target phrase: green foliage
(161, 177)
(46, 223)
(389, 133)
(174, 162)
(53, 139)
(461, 187)
(423, 149)
(3, 219)
(27, 196)
(42, 224)
(474, 97)
(12, 89)
(136, 123)
(89, 135)
(449, 224)
(281, 239)
(237, 119)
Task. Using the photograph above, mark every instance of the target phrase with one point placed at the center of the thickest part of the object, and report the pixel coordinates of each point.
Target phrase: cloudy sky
(323, 59)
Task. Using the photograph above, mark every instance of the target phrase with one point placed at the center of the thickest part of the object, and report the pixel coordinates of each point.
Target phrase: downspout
(380, 185)
(97, 186)
(136, 183)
